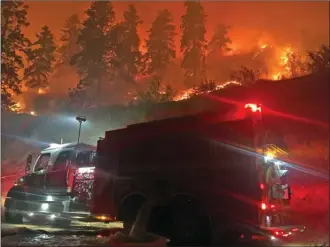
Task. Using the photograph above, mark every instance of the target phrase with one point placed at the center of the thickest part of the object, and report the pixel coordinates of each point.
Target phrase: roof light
(253, 107)
(54, 145)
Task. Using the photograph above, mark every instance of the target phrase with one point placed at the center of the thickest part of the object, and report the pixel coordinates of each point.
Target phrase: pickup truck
(57, 186)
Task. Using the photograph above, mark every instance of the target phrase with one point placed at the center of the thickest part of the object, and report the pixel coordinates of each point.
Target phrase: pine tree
(41, 58)
(160, 43)
(219, 41)
(126, 44)
(319, 61)
(69, 37)
(193, 43)
(95, 60)
(13, 46)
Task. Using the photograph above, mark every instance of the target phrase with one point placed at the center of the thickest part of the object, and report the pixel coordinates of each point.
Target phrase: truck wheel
(188, 227)
(10, 215)
(128, 211)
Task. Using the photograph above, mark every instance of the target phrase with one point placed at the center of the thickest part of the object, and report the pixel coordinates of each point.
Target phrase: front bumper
(53, 206)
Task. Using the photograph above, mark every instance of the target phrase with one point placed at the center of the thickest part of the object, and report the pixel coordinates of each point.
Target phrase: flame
(276, 76)
(186, 94)
(42, 91)
(281, 67)
(263, 46)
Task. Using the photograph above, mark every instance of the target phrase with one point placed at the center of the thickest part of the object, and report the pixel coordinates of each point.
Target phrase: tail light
(265, 206)
(262, 186)
(70, 178)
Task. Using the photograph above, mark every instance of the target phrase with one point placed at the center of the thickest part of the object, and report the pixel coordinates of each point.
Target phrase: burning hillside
(273, 48)
(276, 64)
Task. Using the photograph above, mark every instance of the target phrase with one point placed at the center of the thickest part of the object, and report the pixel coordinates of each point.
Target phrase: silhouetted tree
(13, 47)
(156, 93)
(126, 43)
(206, 86)
(160, 43)
(69, 38)
(245, 76)
(41, 58)
(295, 65)
(193, 43)
(319, 60)
(219, 41)
(95, 60)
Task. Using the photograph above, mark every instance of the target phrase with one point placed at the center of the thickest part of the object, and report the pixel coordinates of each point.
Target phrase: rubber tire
(10, 217)
(199, 224)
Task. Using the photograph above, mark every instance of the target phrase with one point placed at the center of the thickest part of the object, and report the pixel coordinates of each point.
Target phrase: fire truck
(57, 186)
(208, 172)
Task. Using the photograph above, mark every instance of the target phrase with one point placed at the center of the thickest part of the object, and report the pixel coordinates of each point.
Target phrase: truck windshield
(42, 162)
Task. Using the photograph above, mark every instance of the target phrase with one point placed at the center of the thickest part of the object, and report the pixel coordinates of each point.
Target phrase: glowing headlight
(49, 198)
(44, 206)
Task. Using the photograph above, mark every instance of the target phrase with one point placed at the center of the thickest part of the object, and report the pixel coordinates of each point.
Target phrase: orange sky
(282, 20)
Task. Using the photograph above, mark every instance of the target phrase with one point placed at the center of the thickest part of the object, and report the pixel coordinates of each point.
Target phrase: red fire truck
(209, 171)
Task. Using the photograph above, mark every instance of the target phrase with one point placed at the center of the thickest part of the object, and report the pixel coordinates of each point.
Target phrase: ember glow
(186, 94)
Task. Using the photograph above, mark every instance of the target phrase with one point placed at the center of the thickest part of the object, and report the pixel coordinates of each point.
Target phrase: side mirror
(28, 163)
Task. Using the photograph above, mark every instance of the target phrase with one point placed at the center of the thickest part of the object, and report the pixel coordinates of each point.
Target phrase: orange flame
(186, 94)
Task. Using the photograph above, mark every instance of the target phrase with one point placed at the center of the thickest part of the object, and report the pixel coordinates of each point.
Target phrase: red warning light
(262, 186)
(253, 107)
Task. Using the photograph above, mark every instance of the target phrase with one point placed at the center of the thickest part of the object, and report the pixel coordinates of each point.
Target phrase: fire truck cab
(56, 186)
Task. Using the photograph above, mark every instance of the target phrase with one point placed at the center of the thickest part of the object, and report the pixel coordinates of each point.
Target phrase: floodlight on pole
(80, 119)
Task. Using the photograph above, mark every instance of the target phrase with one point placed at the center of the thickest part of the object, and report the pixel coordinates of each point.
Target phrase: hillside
(306, 96)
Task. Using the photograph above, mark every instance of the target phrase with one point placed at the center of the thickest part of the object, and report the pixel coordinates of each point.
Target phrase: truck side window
(42, 162)
(62, 160)
(82, 159)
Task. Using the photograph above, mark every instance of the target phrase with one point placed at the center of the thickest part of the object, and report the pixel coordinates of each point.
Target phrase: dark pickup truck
(58, 185)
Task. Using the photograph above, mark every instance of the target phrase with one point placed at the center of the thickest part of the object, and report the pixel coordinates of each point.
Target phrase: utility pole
(80, 119)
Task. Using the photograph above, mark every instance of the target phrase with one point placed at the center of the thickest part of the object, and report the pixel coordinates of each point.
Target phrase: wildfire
(18, 107)
(281, 68)
(285, 57)
(186, 94)
(42, 90)
(278, 67)
(263, 46)
(276, 76)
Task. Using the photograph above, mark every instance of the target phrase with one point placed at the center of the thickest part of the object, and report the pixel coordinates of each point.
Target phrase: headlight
(44, 206)
(50, 198)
